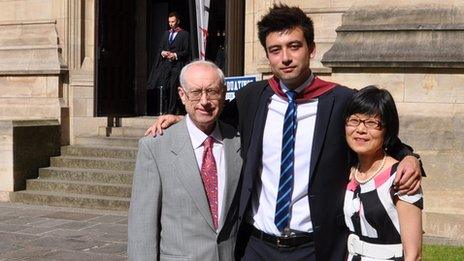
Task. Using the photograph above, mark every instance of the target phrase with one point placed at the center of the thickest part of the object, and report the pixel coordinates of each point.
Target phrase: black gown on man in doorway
(172, 55)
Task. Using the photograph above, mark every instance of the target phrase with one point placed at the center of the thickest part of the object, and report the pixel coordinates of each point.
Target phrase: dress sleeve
(416, 199)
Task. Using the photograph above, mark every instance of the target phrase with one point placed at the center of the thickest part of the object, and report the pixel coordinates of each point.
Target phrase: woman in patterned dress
(383, 224)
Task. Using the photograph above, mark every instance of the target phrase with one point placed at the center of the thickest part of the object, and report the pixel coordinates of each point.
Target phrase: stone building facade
(414, 48)
(47, 54)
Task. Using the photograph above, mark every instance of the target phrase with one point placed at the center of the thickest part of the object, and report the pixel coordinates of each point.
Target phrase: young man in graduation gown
(172, 55)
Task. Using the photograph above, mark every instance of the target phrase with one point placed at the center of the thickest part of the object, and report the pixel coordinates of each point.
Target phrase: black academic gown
(165, 72)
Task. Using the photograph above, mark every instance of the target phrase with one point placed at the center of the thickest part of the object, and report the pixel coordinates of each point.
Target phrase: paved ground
(29, 232)
(50, 233)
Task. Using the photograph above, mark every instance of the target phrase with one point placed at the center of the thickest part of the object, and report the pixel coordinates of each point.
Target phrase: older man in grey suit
(185, 180)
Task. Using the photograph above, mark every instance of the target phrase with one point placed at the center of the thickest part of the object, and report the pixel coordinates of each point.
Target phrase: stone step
(87, 175)
(93, 163)
(130, 142)
(100, 151)
(123, 131)
(79, 187)
(61, 199)
(444, 225)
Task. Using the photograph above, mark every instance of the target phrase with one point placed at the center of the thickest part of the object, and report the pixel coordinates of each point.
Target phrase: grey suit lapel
(233, 166)
(186, 168)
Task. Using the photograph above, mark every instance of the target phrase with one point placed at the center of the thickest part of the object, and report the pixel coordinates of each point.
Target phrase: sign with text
(237, 82)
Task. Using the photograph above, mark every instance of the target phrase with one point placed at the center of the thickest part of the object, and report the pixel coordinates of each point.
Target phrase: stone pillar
(76, 36)
(82, 102)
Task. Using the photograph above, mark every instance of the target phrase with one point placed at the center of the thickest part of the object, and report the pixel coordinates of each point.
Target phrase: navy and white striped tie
(171, 38)
(284, 196)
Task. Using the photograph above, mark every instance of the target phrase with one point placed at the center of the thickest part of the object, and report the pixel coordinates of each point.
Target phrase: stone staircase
(96, 172)
(440, 142)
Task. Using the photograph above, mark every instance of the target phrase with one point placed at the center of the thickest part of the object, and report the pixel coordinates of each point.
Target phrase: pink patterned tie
(208, 174)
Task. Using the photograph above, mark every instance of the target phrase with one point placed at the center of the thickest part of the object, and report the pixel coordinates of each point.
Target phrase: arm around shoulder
(145, 206)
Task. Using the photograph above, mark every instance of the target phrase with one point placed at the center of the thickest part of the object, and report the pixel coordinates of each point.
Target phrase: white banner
(202, 8)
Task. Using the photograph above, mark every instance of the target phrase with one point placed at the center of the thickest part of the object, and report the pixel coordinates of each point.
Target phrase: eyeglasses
(211, 94)
(368, 123)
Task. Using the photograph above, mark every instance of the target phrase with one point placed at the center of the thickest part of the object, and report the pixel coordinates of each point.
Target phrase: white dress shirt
(265, 195)
(197, 138)
(173, 35)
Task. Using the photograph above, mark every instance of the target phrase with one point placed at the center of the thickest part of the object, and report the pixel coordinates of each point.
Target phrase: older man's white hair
(200, 62)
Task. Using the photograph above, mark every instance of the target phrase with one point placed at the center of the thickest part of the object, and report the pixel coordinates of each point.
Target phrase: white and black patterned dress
(370, 212)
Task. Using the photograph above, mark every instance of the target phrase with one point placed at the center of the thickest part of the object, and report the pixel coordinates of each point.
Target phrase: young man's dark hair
(282, 17)
(174, 14)
(374, 101)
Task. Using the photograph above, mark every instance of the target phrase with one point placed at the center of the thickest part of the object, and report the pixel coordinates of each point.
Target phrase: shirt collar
(198, 137)
(301, 87)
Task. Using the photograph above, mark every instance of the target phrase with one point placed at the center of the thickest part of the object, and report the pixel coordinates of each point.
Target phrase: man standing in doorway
(173, 54)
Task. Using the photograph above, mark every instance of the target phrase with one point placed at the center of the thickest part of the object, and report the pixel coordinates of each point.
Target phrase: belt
(286, 241)
(381, 251)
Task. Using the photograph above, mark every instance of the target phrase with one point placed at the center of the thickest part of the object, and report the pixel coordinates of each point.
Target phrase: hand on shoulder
(161, 123)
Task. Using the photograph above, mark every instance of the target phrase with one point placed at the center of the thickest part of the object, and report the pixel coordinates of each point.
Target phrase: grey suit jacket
(169, 216)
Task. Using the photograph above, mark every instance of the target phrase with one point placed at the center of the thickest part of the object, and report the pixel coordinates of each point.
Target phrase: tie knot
(208, 143)
(291, 95)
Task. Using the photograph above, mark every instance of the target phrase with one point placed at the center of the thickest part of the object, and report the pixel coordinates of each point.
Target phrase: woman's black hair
(374, 101)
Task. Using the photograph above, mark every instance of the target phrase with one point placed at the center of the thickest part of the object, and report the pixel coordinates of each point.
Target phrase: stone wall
(414, 49)
(25, 146)
(45, 45)
(32, 72)
(326, 16)
(38, 10)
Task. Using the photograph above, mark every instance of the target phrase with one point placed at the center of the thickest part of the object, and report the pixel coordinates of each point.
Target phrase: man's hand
(165, 54)
(163, 122)
(408, 176)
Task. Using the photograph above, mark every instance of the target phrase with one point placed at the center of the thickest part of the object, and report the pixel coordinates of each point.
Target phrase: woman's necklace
(361, 181)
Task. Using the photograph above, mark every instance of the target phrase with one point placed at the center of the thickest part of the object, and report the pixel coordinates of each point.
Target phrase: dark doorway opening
(215, 45)
(115, 59)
